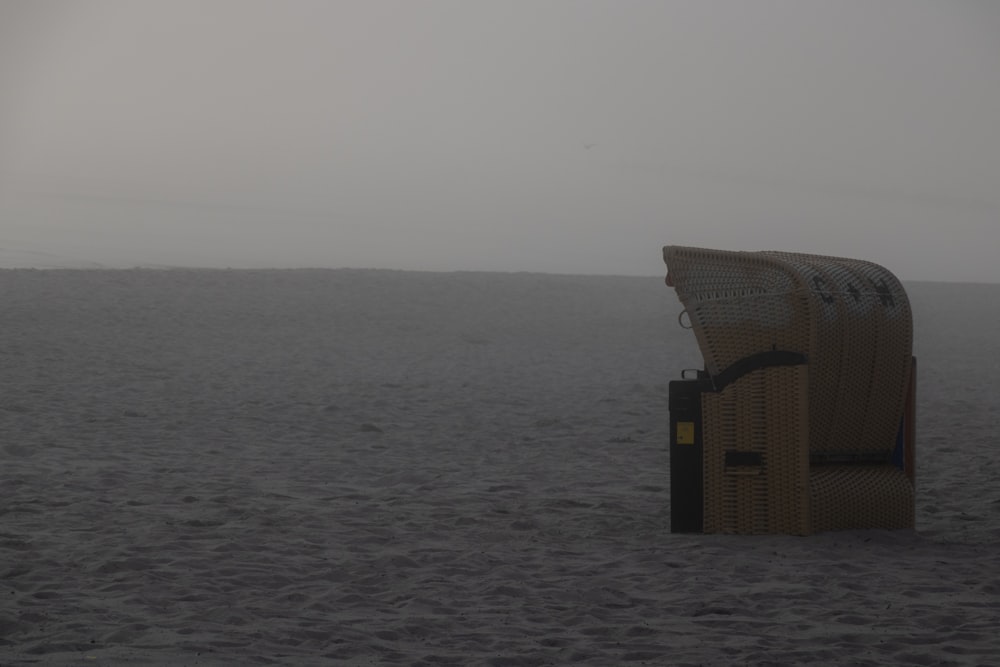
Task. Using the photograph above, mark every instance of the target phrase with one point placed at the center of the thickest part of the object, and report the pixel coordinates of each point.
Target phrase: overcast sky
(570, 136)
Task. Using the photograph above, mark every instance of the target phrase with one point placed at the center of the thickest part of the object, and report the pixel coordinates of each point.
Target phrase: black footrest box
(687, 502)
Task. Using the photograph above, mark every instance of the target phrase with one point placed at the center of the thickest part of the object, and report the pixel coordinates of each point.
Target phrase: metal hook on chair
(680, 320)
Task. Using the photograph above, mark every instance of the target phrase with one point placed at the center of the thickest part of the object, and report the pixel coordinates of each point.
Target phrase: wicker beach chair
(808, 375)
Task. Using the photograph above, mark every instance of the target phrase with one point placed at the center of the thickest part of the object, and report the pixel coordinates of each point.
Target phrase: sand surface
(389, 468)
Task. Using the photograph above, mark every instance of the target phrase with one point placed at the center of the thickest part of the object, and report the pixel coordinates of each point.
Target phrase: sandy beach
(360, 467)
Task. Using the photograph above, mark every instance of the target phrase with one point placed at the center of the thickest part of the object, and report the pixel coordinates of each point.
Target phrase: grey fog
(564, 136)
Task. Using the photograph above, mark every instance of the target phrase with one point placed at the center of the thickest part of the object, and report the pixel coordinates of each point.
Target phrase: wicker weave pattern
(852, 497)
(851, 318)
(760, 413)
(852, 321)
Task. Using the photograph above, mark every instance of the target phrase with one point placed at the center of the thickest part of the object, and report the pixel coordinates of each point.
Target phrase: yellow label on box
(685, 433)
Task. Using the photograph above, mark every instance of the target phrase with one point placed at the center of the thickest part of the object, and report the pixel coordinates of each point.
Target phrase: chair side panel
(762, 419)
